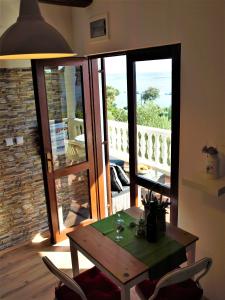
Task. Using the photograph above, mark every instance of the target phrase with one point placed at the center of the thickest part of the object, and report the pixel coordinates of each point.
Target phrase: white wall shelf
(214, 187)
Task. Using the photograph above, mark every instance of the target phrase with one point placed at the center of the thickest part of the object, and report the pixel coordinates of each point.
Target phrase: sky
(117, 64)
(152, 73)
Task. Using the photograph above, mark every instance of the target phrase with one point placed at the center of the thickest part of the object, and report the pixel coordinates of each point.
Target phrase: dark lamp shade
(33, 38)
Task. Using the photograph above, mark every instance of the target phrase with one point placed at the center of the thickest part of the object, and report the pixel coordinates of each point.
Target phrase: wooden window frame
(161, 52)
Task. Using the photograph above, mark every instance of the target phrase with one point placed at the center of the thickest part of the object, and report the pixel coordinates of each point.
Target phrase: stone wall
(22, 200)
(55, 89)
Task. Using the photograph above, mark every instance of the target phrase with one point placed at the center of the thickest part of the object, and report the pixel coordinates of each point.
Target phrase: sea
(160, 80)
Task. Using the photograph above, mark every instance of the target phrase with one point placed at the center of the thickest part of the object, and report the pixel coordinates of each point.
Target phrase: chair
(89, 285)
(177, 284)
(72, 152)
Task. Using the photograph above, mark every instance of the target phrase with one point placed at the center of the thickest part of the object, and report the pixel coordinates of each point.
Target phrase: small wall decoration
(212, 161)
(99, 28)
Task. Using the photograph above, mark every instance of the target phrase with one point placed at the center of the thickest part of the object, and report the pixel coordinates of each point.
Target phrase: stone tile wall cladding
(23, 211)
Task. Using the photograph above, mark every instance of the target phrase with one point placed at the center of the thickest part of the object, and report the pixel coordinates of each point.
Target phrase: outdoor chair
(178, 284)
(89, 285)
(72, 152)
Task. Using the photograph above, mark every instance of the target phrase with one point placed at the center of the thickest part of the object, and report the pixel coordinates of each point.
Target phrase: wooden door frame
(171, 51)
(44, 132)
(97, 136)
(95, 110)
(106, 138)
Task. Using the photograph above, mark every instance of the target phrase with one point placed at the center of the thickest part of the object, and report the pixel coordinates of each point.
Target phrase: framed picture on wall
(99, 28)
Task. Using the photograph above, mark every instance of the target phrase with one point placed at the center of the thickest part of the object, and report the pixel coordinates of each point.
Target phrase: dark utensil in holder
(151, 230)
(156, 224)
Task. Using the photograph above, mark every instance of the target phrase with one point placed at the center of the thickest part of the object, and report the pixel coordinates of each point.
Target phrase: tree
(114, 112)
(150, 114)
(111, 94)
(150, 94)
(168, 112)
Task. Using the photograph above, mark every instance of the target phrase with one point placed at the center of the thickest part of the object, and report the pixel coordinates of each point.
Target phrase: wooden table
(118, 264)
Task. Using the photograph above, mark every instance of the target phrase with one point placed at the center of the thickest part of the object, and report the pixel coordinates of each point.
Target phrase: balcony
(153, 146)
(153, 151)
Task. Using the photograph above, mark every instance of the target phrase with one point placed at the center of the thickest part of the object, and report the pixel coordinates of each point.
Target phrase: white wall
(200, 27)
(58, 16)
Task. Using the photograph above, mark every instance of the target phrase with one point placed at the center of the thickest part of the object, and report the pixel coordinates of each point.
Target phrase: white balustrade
(153, 144)
(79, 126)
(118, 139)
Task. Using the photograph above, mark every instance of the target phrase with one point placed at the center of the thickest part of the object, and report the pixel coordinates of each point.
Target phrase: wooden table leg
(74, 259)
(125, 293)
(191, 254)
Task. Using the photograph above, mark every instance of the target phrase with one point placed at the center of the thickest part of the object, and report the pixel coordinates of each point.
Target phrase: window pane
(117, 117)
(73, 200)
(153, 94)
(66, 114)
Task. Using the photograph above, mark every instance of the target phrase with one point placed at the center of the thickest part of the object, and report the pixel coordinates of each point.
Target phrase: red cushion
(95, 286)
(186, 290)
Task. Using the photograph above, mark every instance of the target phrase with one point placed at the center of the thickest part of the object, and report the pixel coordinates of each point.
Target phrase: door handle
(48, 159)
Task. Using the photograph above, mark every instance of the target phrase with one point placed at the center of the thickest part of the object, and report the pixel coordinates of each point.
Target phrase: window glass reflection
(154, 99)
(64, 91)
(73, 200)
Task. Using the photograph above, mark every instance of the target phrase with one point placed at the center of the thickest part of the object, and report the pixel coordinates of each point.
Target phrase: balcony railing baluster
(153, 144)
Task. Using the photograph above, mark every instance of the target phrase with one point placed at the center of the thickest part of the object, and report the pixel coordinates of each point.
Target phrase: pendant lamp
(31, 37)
